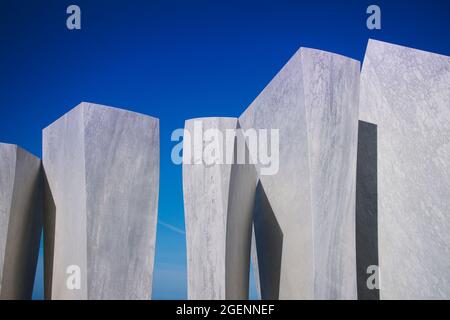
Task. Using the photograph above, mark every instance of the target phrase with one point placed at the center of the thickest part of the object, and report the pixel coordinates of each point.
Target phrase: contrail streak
(171, 227)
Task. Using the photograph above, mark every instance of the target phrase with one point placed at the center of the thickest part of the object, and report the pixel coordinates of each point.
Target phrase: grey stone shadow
(269, 245)
(366, 209)
(49, 238)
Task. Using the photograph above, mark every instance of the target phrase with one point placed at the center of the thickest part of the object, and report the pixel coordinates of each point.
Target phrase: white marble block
(218, 204)
(20, 220)
(102, 181)
(305, 213)
(406, 93)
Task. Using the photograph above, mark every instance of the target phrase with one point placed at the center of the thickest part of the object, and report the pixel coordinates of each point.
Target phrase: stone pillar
(102, 182)
(405, 94)
(218, 205)
(20, 221)
(305, 213)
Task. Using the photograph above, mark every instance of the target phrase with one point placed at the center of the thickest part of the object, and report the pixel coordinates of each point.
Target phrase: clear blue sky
(177, 60)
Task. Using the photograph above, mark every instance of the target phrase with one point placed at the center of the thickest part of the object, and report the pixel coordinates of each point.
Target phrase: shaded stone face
(405, 93)
(102, 181)
(367, 212)
(20, 220)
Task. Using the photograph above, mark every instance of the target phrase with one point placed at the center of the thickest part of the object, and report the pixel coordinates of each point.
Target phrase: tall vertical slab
(102, 181)
(218, 204)
(310, 203)
(367, 213)
(20, 220)
(405, 93)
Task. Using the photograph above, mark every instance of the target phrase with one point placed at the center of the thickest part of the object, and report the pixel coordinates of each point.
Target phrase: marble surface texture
(21, 216)
(218, 204)
(305, 215)
(406, 93)
(102, 181)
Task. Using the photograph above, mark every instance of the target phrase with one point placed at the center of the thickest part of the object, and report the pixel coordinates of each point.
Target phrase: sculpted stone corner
(405, 98)
(102, 180)
(20, 221)
(305, 214)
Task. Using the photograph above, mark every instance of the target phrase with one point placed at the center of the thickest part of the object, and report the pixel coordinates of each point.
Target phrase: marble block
(21, 219)
(218, 205)
(305, 213)
(102, 180)
(405, 93)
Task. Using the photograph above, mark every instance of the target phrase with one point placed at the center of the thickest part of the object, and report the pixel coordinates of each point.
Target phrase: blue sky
(177, 60)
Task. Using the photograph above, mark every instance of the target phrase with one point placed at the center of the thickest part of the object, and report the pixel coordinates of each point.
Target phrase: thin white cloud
(171, 227)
